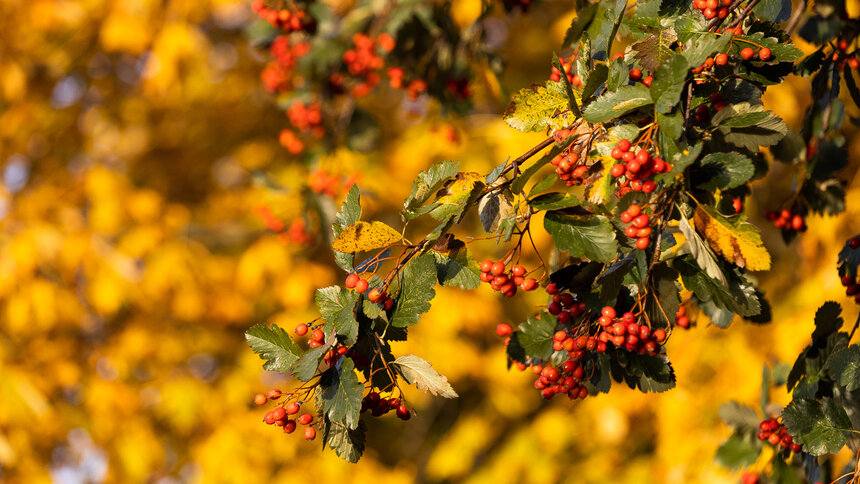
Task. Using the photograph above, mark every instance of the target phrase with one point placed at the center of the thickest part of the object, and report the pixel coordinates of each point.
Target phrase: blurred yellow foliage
(131, 263)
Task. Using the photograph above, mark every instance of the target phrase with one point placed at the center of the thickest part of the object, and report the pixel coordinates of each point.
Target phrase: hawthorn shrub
(655, 130)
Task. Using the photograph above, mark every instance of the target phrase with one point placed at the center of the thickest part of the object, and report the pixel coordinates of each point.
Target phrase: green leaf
(543, 184)
(671, 125)
(419, 372)
(274, 345)
(668, 83)
(347, 444)
(341, 394)
(596, 78)
(568, 89)
(822, 428)
(457, 268)
(736, 294)
(773, 10)
(723, 171)
(493, 207)
(540, 107)
(588, 236)
(844, 367)
(700, 47)
(554, 201)
(828, 320)
(737, 453)
(657, 374)
(750, 130)
(337, 307)
(781, 52)
(739, 417)
(535, 336)
(349, 214)
(583, 19)
(611, 279)
(655, 49)
(703, 255)
(427, 184)
(618, 75)
(614, 104)
(306, 367)
(419, 277)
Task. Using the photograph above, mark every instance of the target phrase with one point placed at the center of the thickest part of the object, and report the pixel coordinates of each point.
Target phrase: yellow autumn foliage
(738, 243)
(132, 261)
(363, 236)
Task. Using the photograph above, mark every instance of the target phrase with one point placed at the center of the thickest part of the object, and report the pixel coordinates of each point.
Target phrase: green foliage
(540, 107)
(416, 292)
(419, 372)
(274, 345)
(337, 307)
(589, 236)
(822, 427)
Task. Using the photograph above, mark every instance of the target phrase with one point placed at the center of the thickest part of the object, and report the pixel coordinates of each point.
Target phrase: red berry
(403, 412)
(504, 329)
(302, 329)
(659, 335)
(289, 426)
(683, 321)
(643, 242)
(279, 413)
(721, 59)
(274, 394)
(854, 242)
(351, 280)
(318, 335)
(269, 418)
(635, 74)
(647, 81)
(624, 144)
(617, 170)
(260, 399)
(616, 153)
(626, 217)
(375, 295)
(486, 265)
(292, 408)
(497, 268)
(305, 418)
(634, 210)
(764, 54)
(551, 289)
(608, 311)
(310, 433)
(361, 285)
(518, 270)
(529, 284)
(747, 53)
(641, 221)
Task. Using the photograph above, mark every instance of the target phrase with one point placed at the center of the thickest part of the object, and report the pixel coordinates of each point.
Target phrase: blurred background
(133, 257)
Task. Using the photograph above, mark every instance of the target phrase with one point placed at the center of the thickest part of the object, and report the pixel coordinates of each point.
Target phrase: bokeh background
(132, 261)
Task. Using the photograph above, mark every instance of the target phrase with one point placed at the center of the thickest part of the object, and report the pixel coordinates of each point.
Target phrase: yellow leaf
(365, 236)
(739, 243)
(461, 188)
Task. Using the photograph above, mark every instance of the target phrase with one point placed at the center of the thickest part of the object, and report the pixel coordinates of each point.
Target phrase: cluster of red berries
(376, 295)
(639, 228)
(278, 74)
(774, 433)
(285, 19)
(625, 333)
(317, 335)
(306, 118)
(294, 233)
(681, 318)
(764, 54)
(635, 75)
(710, 62)
(564, 305)
(363, 63)
(459, 88)
(500, 280)
(567, 65)
(324, 183)
(568, 169)
(379, 406)
(713, 8)
(636, 169)
(280, 416)
(564, 380)
(703, 111)
(786, 220)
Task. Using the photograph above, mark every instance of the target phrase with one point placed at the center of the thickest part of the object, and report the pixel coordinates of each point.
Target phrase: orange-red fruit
(529, 284)
(403, 412)
(361, 285)
(292, 408)
(643, 242)
(504, 329)
(608, 311)
(721, 59)
(486, 265)
(375, 295)
(289, 426)
(351, 280)
(641, 221)
(635, 74)
(497, 269)
(854, 242)
(318, 335)
(683, 321)
(305, 418)
(302, 329)
(274, 394)
(647, 81)
(260, 399)
(518, 270)
(747, 53)
(310, 433)
(764, 54)
(659, 335)
(279, 413)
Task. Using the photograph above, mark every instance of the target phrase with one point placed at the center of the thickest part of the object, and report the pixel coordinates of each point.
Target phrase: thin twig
(795, 17)
(746, 12)
(716, 21)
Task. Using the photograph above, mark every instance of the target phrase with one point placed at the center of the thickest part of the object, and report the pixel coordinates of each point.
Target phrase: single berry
(647, 81)
(529, 284)
(305, 418)
(518, 270)
(486, 265)
(351, 280)
(274, 394)
(498, 268)
(747, 53)
(721, 59)
(643, 242)
(854, 242)
(279, 413)
(361, 286)
(764, 54)
(302, 329)
(310, 433)
(292, 408)
(318, 335)
(635, 74)
(624, 144)
(260, 399)
(504, 329)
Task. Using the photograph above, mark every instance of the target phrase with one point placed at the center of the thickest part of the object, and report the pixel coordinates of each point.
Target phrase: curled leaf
(364, 236)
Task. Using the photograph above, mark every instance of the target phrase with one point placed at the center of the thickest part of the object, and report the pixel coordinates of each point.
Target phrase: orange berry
(260, 399)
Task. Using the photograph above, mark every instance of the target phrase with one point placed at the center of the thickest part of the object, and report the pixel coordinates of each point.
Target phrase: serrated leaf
(347, 444)
(828, 320)
(611, 279)
(457, 268)
(723, 171)
(364, 236)
(668, 83)
(493, 207)
(535, 336)
(822, 428)
(736, 294)
(341, 394)
(738, 243)
(743, 125)
(452, 202)
(350, 213)
(611, 105)
(588, 236)
(596, 78)
(306, 367)
(654, 50)
(739, 417)
(700, 46)
(553, 201)
(540, 107)
(419, 277)
(844, 367)
(419, 372)
(337, 307)
(426, 184)
(701, 252)
(657, 374)
(274, 345)
(543, 184)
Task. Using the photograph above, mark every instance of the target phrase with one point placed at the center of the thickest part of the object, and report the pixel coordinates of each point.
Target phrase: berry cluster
(564, 380)
(636, 169)
(713, 8)
(376, 295)
(363, 63)
(681, 318)
(278, 74)
(703, 111)
(564, 305)
(635, 75)
(324, 183)
(639, 226)
(786, 220)
(774, 433)
(306, 118)
(280, 416)
(625, 333)
(764, 54)
(567, 65)
(568, 169)
(495, 274)
(379, 406)
(285, 19)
